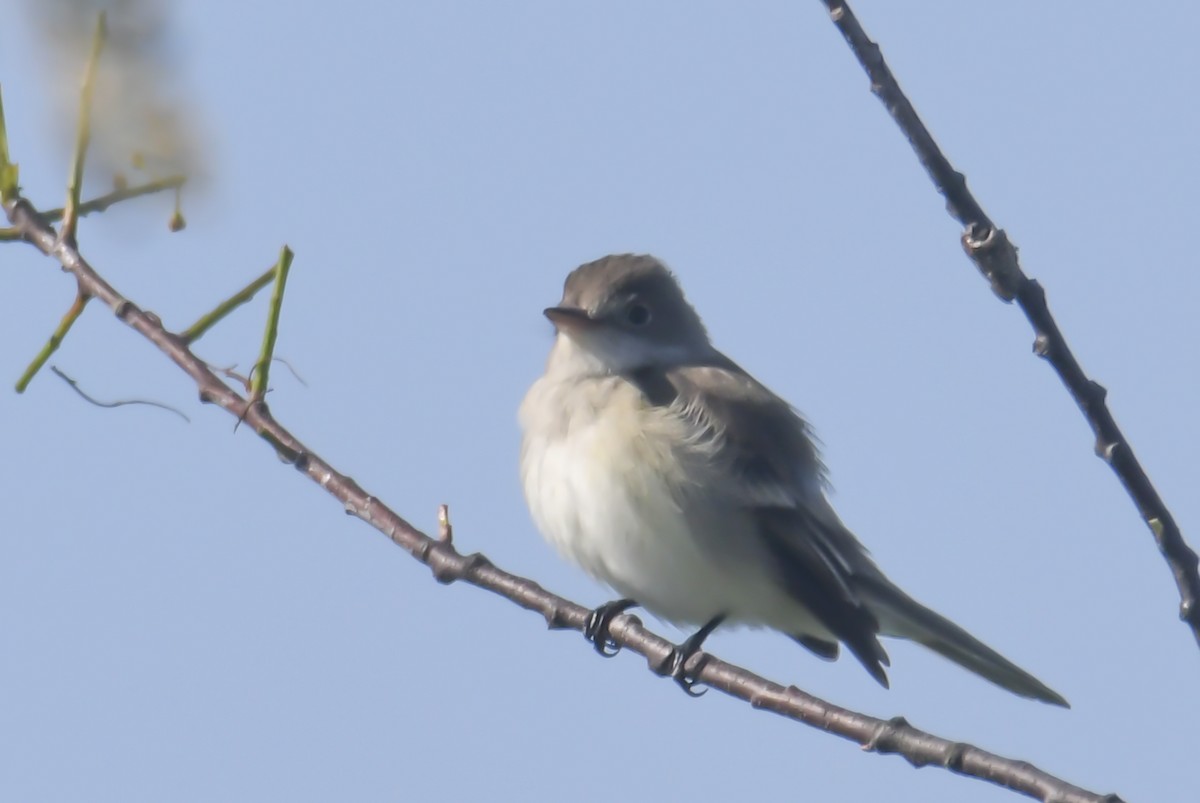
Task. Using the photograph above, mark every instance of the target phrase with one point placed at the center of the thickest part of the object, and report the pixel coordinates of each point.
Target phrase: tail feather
(901, 615)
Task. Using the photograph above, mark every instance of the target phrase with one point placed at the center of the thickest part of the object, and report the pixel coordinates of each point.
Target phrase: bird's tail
(901, 615)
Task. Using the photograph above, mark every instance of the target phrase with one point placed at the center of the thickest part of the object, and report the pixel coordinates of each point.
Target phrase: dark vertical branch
(989, 248)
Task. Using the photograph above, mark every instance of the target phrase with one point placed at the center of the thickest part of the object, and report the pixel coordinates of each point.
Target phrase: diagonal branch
(921, 749)
(996, 258)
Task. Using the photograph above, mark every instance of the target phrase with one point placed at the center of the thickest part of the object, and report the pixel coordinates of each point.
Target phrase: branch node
(326, 477)
(1042, 345)
(474, 562)
(1095, 395)
(352, 509)
(443, 572)
(953, 760)
(1106, 449)
(123, 308)
(556, 618)
(995, 256)
(447, 572)
(886, 735)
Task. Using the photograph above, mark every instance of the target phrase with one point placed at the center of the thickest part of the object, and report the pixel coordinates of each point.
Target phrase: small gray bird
(667, 472)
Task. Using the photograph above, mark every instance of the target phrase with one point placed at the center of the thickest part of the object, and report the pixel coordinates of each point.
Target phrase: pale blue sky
(182, 618)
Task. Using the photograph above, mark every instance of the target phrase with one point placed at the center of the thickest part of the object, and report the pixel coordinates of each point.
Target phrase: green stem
(259, 379)
(103, 202)
(64, 326)
(208, 320)
(8, 170)
(83, 134)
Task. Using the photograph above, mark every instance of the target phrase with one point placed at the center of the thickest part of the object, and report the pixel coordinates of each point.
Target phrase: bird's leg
(678, 657)
(595, 629)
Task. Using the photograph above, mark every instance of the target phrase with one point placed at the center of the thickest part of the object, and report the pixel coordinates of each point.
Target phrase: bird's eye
(638, 314)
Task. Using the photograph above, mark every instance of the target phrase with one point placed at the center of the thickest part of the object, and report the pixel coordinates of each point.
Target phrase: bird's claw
(595, 630)
(673, 667)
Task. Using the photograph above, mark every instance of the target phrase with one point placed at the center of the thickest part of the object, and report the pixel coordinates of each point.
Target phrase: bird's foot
(675, 664)
(595, 629)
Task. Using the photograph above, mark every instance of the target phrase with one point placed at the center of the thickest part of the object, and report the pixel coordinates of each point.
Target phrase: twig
(996, 258)
(56, 338)
(103, 202)
(231, 373)
(921, 749)
(445, 528)
(177, 221)
(83, 134)
(120, 403)
(209, 319)
(8, 170)
(260, 374)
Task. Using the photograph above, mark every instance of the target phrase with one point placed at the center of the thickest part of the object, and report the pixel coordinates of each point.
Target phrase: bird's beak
(568, 319)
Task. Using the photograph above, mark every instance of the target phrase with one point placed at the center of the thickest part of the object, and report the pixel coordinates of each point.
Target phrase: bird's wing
(764, 447)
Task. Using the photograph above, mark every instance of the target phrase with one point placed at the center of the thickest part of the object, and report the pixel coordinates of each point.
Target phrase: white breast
(596, 467)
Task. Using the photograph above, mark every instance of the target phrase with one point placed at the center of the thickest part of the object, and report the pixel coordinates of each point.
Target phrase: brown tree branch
(996, 258)
(921, 749)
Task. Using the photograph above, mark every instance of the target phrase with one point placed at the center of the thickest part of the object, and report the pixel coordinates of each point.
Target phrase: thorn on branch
(445, 528)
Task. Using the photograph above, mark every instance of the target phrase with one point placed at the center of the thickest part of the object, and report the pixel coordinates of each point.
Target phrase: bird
(668, 473)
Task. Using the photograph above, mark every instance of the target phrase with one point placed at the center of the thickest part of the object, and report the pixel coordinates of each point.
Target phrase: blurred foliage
(143, 117)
